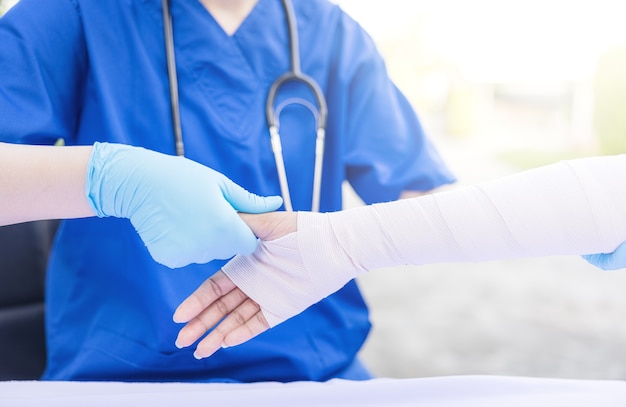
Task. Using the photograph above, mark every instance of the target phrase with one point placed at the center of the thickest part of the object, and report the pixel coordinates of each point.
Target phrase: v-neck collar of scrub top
(263, 32)
(242, 22)
(233, 72)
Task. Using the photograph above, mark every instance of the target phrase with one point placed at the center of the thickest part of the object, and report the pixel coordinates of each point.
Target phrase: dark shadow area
(24, 250)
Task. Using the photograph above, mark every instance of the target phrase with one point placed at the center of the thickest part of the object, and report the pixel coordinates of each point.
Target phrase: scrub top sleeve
(42, 65)
(386, 150)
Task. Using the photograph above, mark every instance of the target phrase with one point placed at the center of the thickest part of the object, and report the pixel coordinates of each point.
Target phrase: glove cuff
(105, 175)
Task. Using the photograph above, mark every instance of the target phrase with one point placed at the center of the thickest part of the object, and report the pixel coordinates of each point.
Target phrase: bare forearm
(42, 182)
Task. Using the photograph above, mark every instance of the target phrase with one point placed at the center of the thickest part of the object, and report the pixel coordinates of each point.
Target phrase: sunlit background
(502, 86)
(538, 77)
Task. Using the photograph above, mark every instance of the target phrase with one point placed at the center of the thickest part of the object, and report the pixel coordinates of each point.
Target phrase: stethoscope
(271, 113)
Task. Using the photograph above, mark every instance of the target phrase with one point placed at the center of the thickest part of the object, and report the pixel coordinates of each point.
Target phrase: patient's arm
(569, 208)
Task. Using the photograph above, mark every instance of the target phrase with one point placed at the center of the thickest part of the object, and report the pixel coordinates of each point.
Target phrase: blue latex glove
(609, 261)
(183, 211)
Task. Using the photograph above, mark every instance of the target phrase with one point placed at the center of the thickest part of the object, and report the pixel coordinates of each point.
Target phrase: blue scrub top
(92, 70)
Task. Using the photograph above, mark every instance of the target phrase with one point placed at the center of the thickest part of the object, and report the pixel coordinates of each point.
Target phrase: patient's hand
(219, 297)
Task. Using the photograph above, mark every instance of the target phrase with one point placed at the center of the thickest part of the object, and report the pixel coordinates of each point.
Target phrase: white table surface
(451, 391)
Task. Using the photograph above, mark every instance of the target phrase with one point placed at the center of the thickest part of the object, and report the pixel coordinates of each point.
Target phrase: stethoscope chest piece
(272, 115)
(271, 112)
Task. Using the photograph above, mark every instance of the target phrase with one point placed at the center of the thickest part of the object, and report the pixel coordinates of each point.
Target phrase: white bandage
(569, 208)
(282, 281)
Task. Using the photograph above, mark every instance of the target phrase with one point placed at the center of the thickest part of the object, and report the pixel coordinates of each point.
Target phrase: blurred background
(502, 86)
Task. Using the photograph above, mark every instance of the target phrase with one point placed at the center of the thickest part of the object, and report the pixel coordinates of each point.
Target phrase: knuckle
(222, 307)
(238, 318)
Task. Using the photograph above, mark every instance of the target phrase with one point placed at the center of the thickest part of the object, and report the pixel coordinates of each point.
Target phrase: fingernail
(197, 355)
(224, 346)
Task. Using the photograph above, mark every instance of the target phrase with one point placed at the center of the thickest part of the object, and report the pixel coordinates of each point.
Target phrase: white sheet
(453, 391)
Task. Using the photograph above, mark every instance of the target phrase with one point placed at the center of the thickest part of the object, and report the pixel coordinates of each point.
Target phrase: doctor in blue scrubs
(89, 71)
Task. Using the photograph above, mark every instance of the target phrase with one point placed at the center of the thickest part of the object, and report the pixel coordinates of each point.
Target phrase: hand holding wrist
(183, 211)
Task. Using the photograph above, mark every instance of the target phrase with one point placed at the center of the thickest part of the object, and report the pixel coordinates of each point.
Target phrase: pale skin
(42, 182)
(48, 182)
(235, 318)
(229, 14)
(45, 182)
(219, 297)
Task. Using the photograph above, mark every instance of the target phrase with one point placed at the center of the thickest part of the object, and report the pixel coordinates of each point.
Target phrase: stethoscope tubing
(168, 32)
(294, 75)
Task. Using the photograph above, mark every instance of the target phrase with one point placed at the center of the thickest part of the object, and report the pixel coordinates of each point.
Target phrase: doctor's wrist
(109, 181)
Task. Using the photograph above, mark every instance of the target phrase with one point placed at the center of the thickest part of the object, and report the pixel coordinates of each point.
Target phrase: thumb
(244, 201)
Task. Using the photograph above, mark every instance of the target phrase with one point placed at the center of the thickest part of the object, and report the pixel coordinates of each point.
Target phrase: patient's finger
(208, 318)
(212, 289)
(237, 319)
(255, 326)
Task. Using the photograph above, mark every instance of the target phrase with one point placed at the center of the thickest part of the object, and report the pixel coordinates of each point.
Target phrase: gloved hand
(609, 261)
(183, 211)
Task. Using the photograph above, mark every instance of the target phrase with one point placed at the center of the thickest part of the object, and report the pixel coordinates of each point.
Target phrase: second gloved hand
(609, 261)
(183, 211)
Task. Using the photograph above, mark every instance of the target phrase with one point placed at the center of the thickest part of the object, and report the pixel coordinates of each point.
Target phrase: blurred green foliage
(610, 101)
(524, 159)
